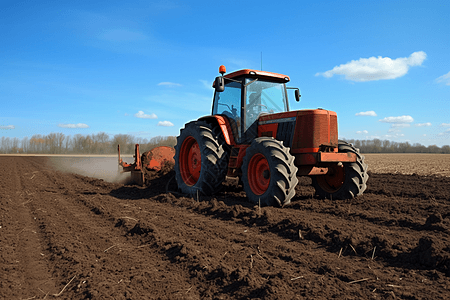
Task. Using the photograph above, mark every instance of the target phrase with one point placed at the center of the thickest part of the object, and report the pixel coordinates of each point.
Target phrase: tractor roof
(259, 74)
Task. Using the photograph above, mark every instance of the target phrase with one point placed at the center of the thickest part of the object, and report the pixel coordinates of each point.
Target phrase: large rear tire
(201, 159)
(343, 182)
(269, 174)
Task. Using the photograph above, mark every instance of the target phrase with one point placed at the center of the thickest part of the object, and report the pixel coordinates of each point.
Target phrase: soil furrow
(27, 269)
(96, 251)
(128, 242)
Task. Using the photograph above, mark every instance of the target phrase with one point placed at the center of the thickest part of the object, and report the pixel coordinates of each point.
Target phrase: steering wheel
(262, 106)
(255, 105)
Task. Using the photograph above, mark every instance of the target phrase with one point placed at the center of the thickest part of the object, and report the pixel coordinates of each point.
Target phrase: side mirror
(219, 84)
(297, 95)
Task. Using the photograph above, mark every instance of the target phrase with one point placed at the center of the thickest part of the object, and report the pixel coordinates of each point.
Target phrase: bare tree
(125, 141)
(103, 142)
(37, 144)
(67, 144)
(59, 139)
(433, 149)
(77, 143)
(5, 145)
(25, 145)
(15, 148)
(51, 143)
(445, 149)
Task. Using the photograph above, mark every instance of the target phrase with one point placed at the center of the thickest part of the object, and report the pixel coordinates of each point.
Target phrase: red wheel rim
(258, 174)
(190, 161)
(333, 180)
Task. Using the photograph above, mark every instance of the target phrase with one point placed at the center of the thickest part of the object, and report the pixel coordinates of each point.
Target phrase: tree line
(100, 143)
(386, 146)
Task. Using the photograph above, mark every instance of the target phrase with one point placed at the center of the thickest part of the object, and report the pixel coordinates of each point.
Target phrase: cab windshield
(263, 97)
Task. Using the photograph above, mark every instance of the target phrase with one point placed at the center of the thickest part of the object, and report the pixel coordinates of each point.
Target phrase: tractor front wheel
(269, 174)
(343, 181)
(201, 159)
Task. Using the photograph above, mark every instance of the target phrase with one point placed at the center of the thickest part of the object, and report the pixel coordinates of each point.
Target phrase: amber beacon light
(222, 70)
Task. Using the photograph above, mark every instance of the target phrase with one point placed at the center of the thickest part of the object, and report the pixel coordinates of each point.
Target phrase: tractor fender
(224, 125)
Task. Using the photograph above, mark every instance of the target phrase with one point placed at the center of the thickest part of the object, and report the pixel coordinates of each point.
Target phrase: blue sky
(146, 67)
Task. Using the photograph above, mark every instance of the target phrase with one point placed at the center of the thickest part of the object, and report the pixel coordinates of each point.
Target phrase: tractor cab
(243, 96)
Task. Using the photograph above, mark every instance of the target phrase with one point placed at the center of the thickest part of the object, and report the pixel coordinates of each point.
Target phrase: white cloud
(401, 119)
(445, 132)
(376, 68)
(397, 135)
(428, 124)
(445, 125)
(141, 115)
(367, 113)
(169, 84)
(7, 127)
(79, 125)
(400, 125)
(444, 79)
(165, 123)
(362, 132)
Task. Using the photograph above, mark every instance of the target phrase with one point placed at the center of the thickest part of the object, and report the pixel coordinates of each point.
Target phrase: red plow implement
(154, 159)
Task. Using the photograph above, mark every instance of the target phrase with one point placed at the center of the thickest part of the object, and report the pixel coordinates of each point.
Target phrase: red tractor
(251, 134)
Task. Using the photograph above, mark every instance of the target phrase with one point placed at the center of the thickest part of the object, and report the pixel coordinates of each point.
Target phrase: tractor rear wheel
(269, 174)
(344, 181)
(201, 158)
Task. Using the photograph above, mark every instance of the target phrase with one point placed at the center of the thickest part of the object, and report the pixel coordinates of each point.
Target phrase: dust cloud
(105, 168)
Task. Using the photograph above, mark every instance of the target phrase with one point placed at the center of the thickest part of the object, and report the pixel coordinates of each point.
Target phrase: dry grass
(410, 163)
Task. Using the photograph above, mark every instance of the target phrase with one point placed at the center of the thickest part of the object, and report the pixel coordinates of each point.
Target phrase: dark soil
(79, 237)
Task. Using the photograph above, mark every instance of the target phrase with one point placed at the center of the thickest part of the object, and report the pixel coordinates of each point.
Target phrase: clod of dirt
(432, 254)
(150, 174)
(140, 229)
(434, 219)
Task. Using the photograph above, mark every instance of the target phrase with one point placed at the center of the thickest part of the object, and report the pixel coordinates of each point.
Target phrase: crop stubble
(410, 163)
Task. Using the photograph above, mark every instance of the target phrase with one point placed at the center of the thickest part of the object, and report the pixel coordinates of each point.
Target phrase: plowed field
(68, 236)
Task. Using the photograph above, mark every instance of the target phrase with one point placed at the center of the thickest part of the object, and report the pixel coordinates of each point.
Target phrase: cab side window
(228, 103)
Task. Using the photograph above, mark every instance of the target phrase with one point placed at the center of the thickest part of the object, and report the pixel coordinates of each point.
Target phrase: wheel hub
(258, 174)
(190, 161)
(333, 180)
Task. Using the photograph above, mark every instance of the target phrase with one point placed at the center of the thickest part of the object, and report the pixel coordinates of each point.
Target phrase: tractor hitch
(154, 159)
(137, 175)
